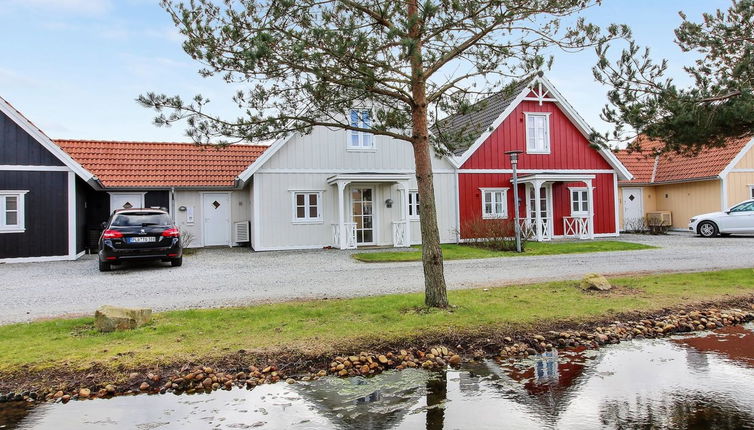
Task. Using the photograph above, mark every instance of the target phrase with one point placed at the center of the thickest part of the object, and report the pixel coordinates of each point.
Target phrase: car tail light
(171, 232)
(111, 234)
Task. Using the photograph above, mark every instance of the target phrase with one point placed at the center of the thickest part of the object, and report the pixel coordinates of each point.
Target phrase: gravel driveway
(236, 276)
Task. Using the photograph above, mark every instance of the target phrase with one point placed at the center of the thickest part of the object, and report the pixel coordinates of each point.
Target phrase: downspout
(172, 203)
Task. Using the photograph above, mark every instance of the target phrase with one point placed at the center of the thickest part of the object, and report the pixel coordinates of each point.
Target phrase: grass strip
(321, 326)
(465, 252)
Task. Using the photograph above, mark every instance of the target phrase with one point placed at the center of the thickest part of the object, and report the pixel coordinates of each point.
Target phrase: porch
(362, 213)
(539, 223)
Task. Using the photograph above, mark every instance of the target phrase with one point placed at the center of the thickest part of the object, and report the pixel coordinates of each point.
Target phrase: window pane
(313, 199)
(575, 206)
(11, 218)
(11, 203)
(312, 211)
(368, 194)
(354, 118)
(487, 197)
(366, 121)
(499, 208)
(367, 140)
(300, 212)
(584, 206)
(488, 208)
(300, 199)
(354, 138)
(367, 236)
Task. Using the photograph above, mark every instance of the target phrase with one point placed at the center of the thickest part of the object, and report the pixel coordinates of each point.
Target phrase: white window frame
(579, 190)
(307, 219)
(364, 141)
(504, 201)
(530, 149)
(20, 226)
(413, 204)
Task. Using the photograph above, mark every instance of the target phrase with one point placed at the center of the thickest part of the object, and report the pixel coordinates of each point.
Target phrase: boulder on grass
(111, 318)
(596, 282)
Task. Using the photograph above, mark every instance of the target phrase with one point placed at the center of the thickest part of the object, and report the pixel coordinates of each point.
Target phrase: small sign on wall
(190, 214)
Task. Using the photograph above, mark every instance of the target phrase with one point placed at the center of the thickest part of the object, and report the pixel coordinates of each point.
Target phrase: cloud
(11, 78)
(82, 7)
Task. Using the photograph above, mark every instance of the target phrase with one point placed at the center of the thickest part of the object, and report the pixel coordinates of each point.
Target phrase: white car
(738, 219)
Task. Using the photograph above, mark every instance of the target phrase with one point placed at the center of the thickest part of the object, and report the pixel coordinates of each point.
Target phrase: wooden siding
(46, 214)
(568, 147)
(739, 184)
(471, 199)
(747, 162)
(17, 147)
(688, 199)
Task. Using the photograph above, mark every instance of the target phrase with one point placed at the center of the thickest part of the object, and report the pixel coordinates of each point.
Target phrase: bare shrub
(186, 237)
(496, 234)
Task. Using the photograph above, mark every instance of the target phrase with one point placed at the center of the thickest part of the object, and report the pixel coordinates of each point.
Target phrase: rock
(382, 359)
(144, 386)
(65, 398)
(595, 281)
(112, 318)
(455, 360)
(290, 381)
(84, 393)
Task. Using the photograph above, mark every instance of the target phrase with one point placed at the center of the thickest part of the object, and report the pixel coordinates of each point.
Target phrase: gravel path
(226, 277)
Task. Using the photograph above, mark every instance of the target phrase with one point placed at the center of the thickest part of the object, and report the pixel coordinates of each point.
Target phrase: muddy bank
(247, 369)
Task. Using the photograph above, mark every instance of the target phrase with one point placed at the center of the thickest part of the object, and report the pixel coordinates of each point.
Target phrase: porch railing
(576, 227)
(350, 228)
(400, 238)
(529, 230)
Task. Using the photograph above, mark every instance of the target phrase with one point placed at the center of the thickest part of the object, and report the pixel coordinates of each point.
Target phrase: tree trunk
(435, 291)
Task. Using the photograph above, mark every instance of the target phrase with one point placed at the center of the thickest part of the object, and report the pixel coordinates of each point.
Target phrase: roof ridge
(137, 142)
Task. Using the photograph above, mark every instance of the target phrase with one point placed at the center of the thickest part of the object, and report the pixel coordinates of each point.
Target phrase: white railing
(350, 235)
(400, 238)
(528, 229)
(576, 227)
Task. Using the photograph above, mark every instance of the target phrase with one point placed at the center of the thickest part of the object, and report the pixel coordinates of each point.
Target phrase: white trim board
(567, 109)
(741, 154)
(352, 171)
(25, 168)
(43, 140)
(543, 171)
(41, 259)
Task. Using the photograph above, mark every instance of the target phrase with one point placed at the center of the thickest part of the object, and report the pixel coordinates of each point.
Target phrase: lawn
(326, 326)
(465, 252)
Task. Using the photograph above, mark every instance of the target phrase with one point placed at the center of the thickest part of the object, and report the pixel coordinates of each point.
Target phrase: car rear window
(140, 219)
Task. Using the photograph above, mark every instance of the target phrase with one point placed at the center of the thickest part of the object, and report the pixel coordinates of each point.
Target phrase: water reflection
(685, 382)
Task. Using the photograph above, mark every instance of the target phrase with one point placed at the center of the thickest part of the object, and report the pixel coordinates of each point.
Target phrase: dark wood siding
(17, 147)
(157, 199)
(46, 214)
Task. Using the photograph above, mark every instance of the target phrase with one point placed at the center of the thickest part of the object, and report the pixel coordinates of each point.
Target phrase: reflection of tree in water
(11, 414)
(437, 393)
(683, 411)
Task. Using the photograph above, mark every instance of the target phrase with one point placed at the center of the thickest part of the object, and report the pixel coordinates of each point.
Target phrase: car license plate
(141, 239)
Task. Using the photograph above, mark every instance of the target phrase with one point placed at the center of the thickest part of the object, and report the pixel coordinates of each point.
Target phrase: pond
(704, 380)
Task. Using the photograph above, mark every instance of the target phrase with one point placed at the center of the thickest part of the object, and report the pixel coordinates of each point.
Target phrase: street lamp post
(517, 227)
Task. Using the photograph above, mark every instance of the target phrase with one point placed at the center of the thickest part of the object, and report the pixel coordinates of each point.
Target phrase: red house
(567, 187)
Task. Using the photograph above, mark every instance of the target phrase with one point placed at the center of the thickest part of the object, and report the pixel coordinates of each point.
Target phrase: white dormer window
(537, 133)
(359, 140)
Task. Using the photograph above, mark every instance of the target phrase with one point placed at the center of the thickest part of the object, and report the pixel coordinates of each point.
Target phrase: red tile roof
(159, 164)
(672, 167)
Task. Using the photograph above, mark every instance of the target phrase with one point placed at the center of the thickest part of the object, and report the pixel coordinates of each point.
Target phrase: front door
(545, 210)
(216, 213)
(126, 201)
(362, 204)
(633, 210)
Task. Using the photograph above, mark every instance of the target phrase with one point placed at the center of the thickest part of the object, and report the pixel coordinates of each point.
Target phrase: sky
(75, 67)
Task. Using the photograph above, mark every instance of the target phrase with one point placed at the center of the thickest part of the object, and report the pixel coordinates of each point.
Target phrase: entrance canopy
(541, 227)
(344, 232)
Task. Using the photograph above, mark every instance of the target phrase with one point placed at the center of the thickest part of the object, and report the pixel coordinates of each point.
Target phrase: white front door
(362, 204)
(126, 201)
(216, 213)
(545, 209)
(633, 208)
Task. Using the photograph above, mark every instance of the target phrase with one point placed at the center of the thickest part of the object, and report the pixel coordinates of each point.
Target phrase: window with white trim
(307, 207)
(537, 133)
(579, 201)
(413, 204)
(494, 203)
(12, 211)
(751, 191)
(359, 140)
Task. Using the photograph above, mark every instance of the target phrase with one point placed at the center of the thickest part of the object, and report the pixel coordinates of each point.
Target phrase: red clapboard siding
(569, 149)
